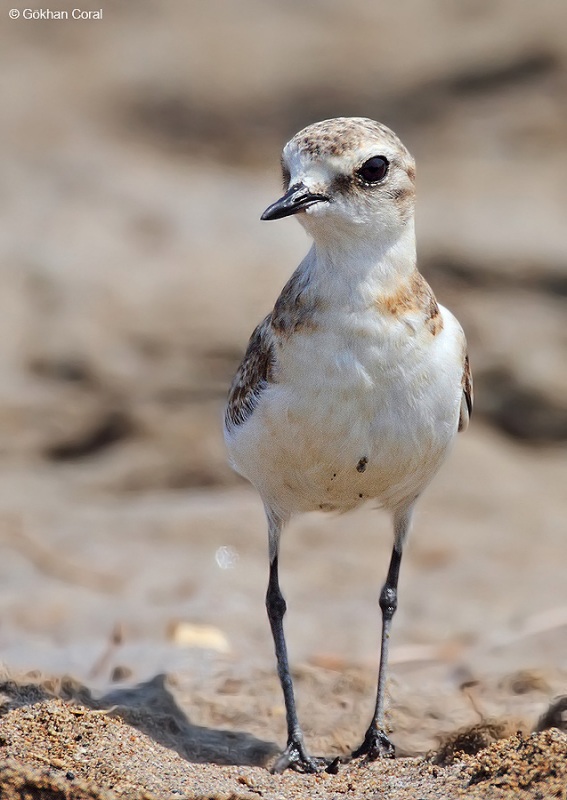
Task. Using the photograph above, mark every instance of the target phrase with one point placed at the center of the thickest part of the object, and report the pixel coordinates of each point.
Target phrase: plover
(354, 386)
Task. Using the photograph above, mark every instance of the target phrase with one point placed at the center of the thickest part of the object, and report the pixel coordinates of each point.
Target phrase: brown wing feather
(467, 401)
(253, 375)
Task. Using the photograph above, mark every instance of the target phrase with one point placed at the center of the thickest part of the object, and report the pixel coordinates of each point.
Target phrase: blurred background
(138, 154)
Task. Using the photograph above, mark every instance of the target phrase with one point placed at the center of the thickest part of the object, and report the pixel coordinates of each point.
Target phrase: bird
(353, 388)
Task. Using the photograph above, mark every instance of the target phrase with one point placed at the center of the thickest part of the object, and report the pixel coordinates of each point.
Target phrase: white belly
(353, 419)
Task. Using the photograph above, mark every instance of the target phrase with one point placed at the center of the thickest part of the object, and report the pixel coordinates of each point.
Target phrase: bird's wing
(253, 375)
(467, 398)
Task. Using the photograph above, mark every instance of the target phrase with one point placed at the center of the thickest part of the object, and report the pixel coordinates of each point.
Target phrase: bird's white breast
(362, 408)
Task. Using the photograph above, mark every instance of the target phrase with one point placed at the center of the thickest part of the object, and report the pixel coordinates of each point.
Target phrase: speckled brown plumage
(467, 392)
(294, 310)
(254, 374)
(413, 297)
(334, 137)
(295, 307)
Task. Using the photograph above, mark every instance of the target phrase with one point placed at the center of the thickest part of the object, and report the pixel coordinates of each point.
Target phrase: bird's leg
(376, 744)
(295, 754)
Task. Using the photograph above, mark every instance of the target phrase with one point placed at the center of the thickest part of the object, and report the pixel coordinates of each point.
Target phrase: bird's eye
(373, 170)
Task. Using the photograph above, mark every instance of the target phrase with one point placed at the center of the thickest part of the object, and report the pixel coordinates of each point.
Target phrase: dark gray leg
(295, 755)
(376, 744)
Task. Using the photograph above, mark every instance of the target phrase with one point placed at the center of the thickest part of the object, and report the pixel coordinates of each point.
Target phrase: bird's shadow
(152, 709)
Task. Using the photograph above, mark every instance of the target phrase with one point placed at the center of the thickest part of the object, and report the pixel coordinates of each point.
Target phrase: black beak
(295, 199)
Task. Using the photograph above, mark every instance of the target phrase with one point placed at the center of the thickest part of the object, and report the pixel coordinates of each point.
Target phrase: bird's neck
(361, 267)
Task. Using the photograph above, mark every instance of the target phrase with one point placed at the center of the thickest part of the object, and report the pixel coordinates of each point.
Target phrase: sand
(139, 744)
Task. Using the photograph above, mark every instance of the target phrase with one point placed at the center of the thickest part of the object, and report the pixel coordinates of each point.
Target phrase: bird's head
(347, 177)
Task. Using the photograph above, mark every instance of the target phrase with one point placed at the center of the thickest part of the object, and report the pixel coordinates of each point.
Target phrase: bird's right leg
(295, 755)
(376, 743)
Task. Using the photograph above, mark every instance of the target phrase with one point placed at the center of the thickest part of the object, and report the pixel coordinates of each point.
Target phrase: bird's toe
(375, 745)
(296, 757)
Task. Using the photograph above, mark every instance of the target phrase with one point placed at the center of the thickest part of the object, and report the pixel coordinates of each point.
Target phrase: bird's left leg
(295, 755)
(376, 743)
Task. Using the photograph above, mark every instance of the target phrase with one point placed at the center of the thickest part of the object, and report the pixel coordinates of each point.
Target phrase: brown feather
(467, 383)
(253, 376)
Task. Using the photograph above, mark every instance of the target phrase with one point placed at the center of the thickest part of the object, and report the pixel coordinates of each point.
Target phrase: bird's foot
(375, 745)
(296, 757)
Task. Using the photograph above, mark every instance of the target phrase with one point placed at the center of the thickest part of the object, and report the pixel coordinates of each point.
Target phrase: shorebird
(354, 386)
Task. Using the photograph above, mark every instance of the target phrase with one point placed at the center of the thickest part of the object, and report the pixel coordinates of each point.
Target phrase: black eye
(373, 170)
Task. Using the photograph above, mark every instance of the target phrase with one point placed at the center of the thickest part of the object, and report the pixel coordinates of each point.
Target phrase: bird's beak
(297, 198)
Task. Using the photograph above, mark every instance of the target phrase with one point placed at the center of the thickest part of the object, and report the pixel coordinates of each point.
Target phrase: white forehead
(340, 145)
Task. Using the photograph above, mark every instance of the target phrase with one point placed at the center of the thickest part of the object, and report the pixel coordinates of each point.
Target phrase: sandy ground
(140, 743)
(138, 155)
